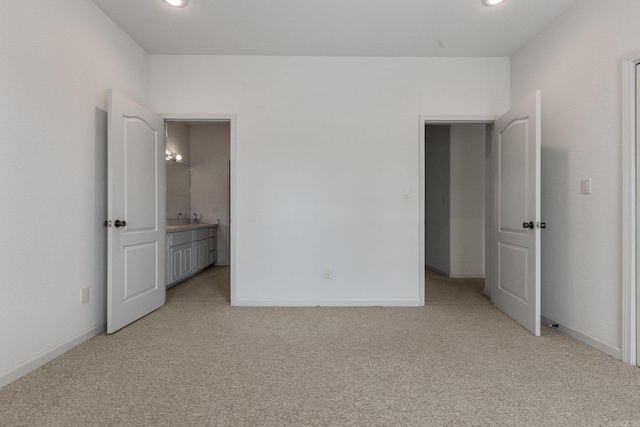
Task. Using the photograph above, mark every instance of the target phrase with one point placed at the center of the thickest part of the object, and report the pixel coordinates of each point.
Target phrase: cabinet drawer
(200, 234)
(212, 243)
(179, 238)
(213, 231)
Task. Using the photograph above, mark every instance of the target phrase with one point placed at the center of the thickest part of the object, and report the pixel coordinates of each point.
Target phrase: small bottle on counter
(195, 218)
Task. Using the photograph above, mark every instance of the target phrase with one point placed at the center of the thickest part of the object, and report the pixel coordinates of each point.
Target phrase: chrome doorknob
(524, 225)
(119, 223)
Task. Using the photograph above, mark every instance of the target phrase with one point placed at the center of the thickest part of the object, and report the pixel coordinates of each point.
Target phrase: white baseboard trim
(593, 342)
(46, 357)
(437, 270)
(356, 303)
(466, 276)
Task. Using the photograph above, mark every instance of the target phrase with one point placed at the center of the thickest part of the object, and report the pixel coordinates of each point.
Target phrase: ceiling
(334, 27)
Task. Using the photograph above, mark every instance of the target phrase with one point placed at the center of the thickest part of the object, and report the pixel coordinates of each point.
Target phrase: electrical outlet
(85, 294)
(327, 273)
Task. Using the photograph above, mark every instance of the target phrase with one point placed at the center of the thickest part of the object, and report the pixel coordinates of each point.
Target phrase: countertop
(184, 227)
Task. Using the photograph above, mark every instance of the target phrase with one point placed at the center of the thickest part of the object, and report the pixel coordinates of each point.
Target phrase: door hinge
(107, 223)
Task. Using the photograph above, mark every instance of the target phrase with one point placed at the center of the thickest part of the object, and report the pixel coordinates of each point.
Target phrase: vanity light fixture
(170, 155)
(492, 2)
(176, 3)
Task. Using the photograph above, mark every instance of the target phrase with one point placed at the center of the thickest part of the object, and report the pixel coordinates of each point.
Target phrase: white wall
(325, 147)
(210, 180)
(58, 60)
(576, 63)
(467, 200)
(437, 199)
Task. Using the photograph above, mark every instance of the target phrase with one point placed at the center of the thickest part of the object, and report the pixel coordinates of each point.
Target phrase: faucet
(195, 218)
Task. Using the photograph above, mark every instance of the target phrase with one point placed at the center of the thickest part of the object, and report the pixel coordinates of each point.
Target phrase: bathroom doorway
(201, 179)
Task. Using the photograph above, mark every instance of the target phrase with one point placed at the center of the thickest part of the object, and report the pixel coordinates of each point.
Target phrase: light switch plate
(586, 186)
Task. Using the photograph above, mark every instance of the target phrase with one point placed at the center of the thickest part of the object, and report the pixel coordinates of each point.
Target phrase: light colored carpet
(197, 361)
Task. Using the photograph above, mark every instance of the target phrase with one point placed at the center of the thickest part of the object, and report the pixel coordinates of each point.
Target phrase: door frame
(425, 120)
(630, 202)
(231, 118)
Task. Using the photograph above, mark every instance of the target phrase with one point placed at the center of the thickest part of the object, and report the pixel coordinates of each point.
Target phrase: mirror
(178, 190)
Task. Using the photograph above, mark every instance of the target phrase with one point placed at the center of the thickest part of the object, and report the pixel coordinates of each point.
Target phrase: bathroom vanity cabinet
(190, 248)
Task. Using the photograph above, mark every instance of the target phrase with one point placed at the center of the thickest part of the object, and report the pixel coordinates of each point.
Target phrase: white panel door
(516, 222)
(136, 212)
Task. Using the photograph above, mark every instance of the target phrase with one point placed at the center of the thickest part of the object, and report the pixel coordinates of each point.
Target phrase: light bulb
(491, 2)
(178, 157)
(176, 3)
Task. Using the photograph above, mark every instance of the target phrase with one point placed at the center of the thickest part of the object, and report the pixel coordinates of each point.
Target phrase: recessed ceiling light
(179, 3)
(491, 2)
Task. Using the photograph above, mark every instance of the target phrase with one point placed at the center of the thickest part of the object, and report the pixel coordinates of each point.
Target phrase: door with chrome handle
(119, 223)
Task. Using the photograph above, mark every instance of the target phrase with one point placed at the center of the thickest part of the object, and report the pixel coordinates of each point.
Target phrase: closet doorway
(456, 198)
